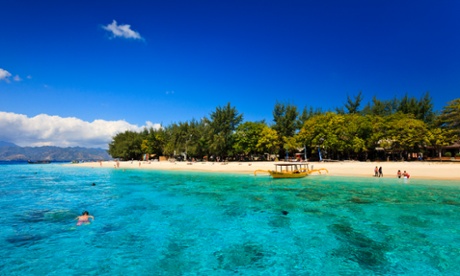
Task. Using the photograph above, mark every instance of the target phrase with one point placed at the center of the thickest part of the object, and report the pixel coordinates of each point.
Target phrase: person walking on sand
(376, 171)
(399, 174)
(380, 172)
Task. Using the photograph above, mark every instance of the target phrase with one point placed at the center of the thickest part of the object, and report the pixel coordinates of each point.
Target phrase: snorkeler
(84, 218)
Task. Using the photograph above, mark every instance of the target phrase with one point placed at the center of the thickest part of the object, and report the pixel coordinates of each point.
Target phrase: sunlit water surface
(184, 223)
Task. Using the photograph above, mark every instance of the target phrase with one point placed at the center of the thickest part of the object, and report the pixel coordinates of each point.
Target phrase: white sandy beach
(417, 170)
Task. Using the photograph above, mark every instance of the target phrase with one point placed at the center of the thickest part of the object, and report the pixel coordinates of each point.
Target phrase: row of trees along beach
(397, 129)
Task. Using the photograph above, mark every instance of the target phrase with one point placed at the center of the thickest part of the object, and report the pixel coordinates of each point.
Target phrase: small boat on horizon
(291, 170)
(39, 162)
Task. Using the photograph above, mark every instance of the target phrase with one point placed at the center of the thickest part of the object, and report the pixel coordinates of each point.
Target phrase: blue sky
(136, 63)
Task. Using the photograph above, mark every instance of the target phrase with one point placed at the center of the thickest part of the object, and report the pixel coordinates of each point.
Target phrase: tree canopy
(450, 116)
(395, 127)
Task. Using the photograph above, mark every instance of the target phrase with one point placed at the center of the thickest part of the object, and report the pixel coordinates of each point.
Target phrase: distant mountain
(7, 144)
(12, 152)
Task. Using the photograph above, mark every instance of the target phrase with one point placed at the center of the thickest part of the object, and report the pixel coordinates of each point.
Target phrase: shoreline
(417, 170)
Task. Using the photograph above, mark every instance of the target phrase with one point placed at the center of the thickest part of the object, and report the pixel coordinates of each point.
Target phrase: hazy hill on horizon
(7, 144)
(12, 152)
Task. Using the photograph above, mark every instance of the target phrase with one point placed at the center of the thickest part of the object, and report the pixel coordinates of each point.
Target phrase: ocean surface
(190, 223)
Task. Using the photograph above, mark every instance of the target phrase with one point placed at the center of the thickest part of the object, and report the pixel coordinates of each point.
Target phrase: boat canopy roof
(287, 164)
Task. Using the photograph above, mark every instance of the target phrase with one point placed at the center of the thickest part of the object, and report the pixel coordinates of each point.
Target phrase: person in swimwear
(399, 174)
(406, 175)
(84, 218)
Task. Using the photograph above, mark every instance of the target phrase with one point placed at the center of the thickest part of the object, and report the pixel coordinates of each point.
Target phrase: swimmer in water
(84, 218)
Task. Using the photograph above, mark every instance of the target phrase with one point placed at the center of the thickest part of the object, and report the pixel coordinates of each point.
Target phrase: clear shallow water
(180, 223)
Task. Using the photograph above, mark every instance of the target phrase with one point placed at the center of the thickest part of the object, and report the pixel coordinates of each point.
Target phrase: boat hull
(288, 174)
(289, 170)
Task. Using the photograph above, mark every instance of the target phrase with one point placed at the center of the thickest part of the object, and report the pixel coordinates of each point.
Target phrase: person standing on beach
(376, 171)
(380, 172)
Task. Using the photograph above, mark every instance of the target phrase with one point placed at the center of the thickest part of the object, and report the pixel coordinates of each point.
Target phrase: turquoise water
(183, 223)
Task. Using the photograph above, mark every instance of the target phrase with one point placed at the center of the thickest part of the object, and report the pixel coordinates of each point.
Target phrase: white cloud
(121, 30)
(4, 75)
(46, 130)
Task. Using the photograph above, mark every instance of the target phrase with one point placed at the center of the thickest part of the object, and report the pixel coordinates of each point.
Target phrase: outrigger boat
(291, 170)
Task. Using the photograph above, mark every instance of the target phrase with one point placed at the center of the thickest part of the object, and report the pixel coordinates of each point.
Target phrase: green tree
(406, 133)
(352, 105)
(145, 146)
(152, 141)
(381, 108)
(352, 131)
(450, 116)
(247, 136)
(318, 131)
(439, 138)
(290, 145)
(307, 114)
(172, 133)
(285, 118)
(183, 139)
(377, 136)
(408, 105)
(425, 109)
(340, 135)
(201, 138)
(126, 145)
(223, 122)
(218, 144)
(286, 123)
(268, 141)
(421, 109)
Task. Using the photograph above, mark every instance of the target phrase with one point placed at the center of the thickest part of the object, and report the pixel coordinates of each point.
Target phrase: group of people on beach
(378, 172)
(404, 174)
